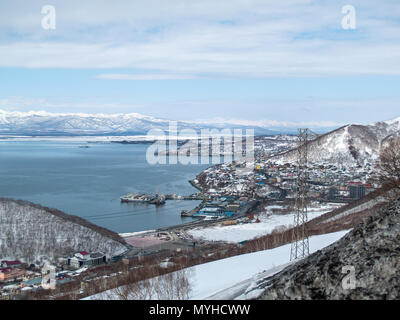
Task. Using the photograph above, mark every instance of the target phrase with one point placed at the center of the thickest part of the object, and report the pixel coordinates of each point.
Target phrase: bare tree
(171, 286)
(388, 172)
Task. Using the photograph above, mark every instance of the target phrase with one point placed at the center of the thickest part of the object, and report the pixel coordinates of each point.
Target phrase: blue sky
(259, 62)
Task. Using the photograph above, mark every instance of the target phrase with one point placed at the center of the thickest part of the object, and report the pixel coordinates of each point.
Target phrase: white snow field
(247, 231)
(229, 278)
(219, 279)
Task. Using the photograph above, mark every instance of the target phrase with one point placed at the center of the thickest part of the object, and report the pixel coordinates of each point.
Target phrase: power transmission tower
(300, 243)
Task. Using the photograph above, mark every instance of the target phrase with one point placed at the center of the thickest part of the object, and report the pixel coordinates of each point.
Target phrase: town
(230, 194)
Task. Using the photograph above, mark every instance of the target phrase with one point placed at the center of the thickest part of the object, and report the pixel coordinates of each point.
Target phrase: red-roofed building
(11, 264)
(82, 255)
(83, 258)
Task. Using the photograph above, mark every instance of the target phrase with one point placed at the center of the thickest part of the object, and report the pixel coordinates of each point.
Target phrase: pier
(157, 199)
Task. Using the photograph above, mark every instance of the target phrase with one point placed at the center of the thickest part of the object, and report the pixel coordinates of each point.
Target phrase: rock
(372, 248)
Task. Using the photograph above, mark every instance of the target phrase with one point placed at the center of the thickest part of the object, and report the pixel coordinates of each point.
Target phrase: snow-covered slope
(247, 231)
(371, 249)
(46, 123)
(35, 234)
(229, 278)
(350, 145)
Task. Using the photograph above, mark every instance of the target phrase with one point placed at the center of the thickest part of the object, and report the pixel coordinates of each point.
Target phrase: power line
(300, 241)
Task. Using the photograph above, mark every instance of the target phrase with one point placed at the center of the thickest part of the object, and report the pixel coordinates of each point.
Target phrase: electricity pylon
(300, 243)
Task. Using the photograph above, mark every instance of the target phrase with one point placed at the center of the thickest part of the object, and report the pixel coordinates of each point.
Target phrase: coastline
(96, 201)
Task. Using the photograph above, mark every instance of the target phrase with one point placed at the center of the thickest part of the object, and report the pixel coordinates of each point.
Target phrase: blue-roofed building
(210, 211)
(32, 282)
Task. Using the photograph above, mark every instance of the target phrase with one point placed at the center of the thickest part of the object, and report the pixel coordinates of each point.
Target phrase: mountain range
(44, 123)
(352, 144)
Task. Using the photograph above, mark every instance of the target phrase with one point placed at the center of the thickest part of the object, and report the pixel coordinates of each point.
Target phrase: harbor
(209, 208)
(157, 199)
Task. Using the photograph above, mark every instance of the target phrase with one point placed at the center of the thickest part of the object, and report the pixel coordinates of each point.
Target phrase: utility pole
(300, 242)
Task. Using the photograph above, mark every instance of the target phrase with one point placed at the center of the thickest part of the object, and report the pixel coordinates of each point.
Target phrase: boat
(158, 200)
(136, 197)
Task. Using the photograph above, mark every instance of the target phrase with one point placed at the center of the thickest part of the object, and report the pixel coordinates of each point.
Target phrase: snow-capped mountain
(41, 122)
(350, 145)
(46, 123)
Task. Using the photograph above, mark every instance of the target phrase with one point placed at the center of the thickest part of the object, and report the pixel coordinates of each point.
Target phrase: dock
(157, 199)
(190, 213)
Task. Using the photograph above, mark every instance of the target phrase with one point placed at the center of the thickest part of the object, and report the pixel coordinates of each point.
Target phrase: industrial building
(86, 259)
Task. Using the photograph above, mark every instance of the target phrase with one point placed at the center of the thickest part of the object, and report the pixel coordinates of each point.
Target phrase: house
(83, 258)
(82, 255)
(11, 264)
(10, 273)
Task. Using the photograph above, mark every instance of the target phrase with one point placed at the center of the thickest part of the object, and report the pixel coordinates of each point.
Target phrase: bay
(88, 182)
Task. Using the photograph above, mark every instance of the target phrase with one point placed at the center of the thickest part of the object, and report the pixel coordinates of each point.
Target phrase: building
(35, 282)
(86, 259)
(7, 274)
(357, 191)
(333, 193)
(209, 211)
(11, 264)
(229, 223)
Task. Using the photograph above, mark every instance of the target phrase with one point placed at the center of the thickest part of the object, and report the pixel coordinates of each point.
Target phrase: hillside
(371, 247)
(351, 145)
(34, 234)
(222, 279)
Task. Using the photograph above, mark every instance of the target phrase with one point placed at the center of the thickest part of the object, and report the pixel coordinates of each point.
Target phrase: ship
(158, 200)
(137, 197)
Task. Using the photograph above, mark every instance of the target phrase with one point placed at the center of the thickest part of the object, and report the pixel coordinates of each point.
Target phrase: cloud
(266, 123)
(184, 39)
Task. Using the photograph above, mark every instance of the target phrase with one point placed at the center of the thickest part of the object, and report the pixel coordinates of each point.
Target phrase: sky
(260, 62)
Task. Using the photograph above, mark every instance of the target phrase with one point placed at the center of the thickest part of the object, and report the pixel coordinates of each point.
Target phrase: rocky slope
(372, 248)
(35, 234)
(351, 145)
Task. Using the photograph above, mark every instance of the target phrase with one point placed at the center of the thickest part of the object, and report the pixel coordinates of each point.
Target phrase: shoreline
(196, 185)
(193, 182)
(121, 139)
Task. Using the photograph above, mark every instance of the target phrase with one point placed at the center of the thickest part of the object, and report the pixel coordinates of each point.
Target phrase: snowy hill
(35, 234)
(229, 278)
(371, 248)
(46, 123)
(350, 145)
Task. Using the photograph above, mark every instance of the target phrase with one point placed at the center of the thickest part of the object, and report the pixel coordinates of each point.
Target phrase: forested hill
(33, 233)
